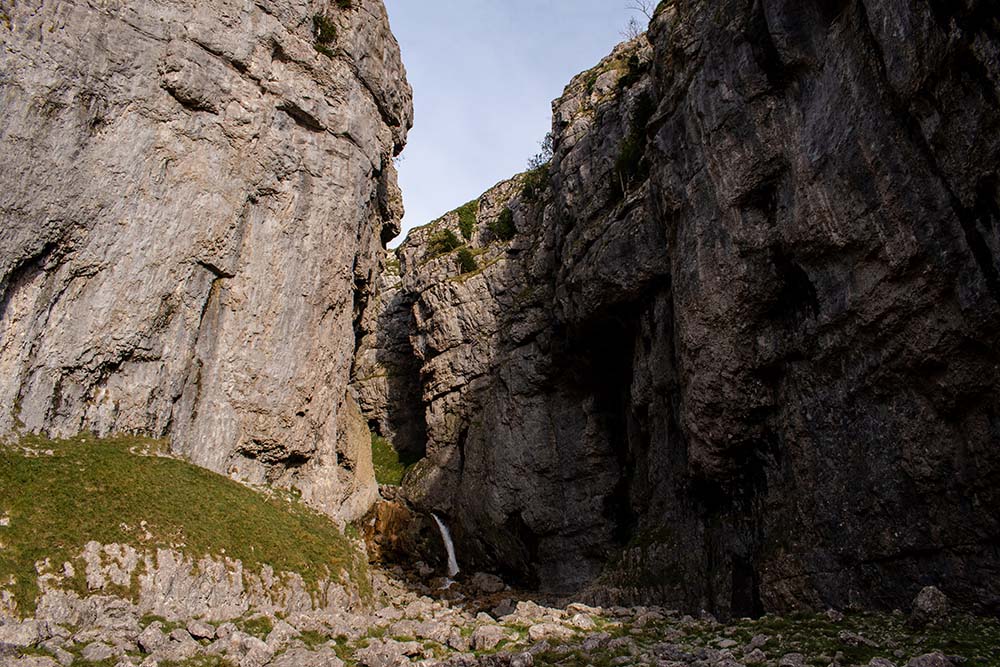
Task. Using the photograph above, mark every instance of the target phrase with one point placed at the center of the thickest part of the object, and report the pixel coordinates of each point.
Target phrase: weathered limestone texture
(743, 353)
(194, 200)
(176, 587)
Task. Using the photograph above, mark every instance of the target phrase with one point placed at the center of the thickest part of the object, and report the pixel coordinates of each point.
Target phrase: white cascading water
(448, 545)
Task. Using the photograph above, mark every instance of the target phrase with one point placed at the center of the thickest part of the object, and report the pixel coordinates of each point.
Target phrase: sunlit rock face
(742, 353)
(194, 197)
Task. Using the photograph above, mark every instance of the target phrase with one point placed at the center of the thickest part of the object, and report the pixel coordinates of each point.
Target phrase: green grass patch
(258, 626)
(104, 489)
(313, 639)
(390, 465)
(165, 625)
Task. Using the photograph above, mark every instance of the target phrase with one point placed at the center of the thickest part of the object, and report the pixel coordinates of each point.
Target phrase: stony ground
(56, 497)
(481, 622)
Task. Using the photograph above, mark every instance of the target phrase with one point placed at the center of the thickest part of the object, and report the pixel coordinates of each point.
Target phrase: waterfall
(448, 545)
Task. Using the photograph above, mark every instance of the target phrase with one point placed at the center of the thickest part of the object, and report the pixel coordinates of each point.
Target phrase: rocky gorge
(714, 382)
(735, 346)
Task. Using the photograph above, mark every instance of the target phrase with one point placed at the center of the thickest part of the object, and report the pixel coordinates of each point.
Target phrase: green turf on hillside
(390, 465)
(102, 489)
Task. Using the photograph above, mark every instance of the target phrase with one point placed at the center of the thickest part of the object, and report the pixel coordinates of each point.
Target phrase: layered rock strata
(194, 198)
(742, 353)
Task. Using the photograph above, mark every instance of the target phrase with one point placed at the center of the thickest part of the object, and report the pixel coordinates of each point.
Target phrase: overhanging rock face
(743, 351)
(194, 197)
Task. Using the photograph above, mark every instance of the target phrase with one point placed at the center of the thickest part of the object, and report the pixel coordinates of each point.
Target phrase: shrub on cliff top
(467, 218)
(442, 242)
(503, 227)
(544, 156)
(536, 182)
(634, 73)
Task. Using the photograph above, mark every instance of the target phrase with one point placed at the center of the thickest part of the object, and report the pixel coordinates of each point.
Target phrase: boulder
(486, 637)
(930, 607)
(935, 659)
(487, 583)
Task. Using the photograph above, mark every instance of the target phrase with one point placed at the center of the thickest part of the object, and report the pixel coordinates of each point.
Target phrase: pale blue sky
(484, 74)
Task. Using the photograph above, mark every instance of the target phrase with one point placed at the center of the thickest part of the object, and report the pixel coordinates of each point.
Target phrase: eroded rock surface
(742, 352)
(194, 198)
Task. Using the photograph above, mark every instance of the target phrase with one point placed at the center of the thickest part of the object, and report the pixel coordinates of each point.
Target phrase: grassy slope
(92, 489)
(390, 465)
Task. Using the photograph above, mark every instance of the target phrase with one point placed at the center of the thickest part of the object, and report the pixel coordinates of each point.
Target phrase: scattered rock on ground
(929, 608)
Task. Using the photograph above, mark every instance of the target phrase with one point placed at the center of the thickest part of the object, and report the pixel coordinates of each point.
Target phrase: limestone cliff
(194, 198)
(742, 352)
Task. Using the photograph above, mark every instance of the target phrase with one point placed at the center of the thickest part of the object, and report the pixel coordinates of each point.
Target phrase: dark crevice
(517, 565)
(797, 297)
(362, 299)
(970, 70)
(215, 270)
(763, 198)
(765, 52)
(745, 600)
(189, 101)
(278, 53)
(732, 514)
(190, 397)
(599, 357)
(831, 10)
(301, 117)
(987, 207)
(463, 436)
(981, 252)
(275, 455)
(971, 16)
(294, 461)
(23, 273)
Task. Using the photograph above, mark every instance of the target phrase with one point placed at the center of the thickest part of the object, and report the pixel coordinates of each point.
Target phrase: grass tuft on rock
(58, 495)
